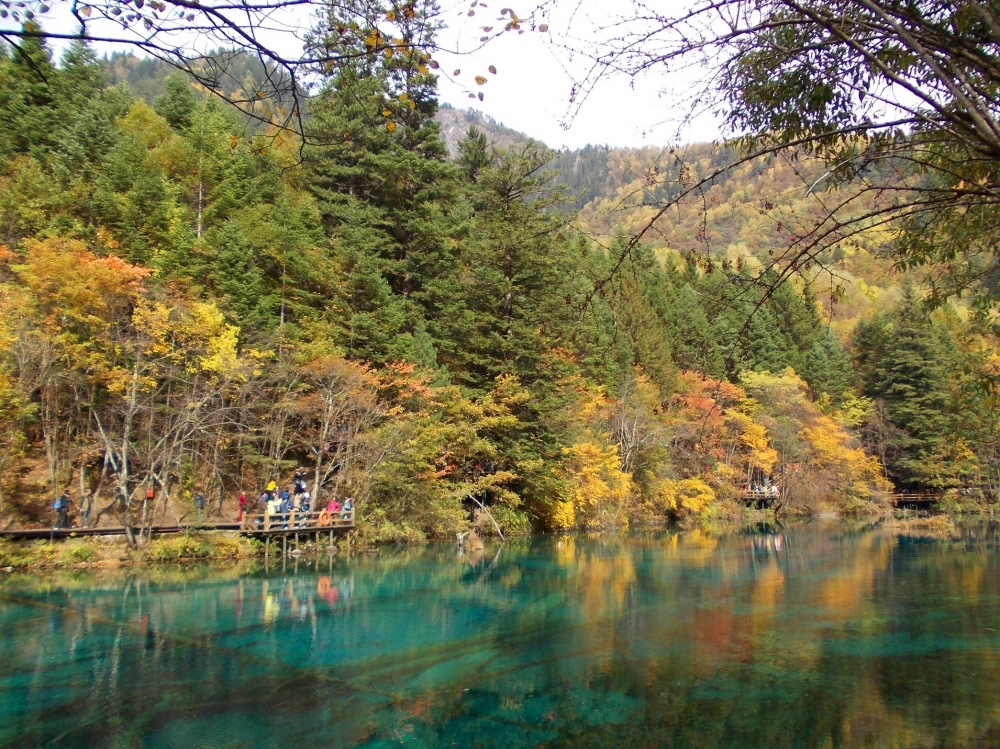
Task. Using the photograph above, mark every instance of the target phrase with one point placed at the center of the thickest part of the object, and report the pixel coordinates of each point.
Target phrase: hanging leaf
(387, 113)
(422, 69)
(471, 13)
(493, 69)
(481, 97)
(86, 10)
(390, 16)
(390, 126)
(234, 140)
(458, 71)
(480, 80)
(543, 27)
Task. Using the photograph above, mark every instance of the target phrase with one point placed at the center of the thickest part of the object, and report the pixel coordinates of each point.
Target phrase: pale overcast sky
(534, 78)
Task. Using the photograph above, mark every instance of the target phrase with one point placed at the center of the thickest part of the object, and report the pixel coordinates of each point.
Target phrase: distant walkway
(915, 500)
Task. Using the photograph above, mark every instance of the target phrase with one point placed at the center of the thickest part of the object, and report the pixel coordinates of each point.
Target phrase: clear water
(805, 637)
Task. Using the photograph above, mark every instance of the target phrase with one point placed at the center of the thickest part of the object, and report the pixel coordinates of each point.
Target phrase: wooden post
(284, 545)
(267, 546)
(296, 541)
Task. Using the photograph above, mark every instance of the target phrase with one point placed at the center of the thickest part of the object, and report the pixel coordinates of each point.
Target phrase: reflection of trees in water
(802, 636)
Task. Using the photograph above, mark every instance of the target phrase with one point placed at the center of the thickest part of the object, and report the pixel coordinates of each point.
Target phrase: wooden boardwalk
(761, 498)
(265, 525)
(917, 500)
(294, 521)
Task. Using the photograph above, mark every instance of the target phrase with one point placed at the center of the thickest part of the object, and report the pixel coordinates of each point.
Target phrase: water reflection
(805, 637)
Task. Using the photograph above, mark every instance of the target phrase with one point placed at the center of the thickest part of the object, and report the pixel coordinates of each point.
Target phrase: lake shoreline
(112, 552)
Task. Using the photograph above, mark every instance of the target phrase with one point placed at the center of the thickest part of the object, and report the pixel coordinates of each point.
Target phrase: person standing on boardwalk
(199, 504)
(86, 507)
(61, 506)
(243, 506)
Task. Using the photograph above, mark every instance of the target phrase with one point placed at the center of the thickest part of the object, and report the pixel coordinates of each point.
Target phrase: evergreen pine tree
(177, 104)
(376, 163)
(903, 364)
(827, 367)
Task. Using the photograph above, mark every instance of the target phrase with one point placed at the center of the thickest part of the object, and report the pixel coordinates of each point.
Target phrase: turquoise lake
(809, 636)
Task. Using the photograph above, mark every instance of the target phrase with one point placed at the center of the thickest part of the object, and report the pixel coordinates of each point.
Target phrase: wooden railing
(915, 498)
(760, 495)
(296, 521)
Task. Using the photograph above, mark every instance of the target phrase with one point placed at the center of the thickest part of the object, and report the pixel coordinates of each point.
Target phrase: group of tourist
(766, 488)
(279, 505)
(271, 502)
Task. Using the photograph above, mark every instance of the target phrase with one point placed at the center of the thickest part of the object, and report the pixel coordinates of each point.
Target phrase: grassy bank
(113, 551)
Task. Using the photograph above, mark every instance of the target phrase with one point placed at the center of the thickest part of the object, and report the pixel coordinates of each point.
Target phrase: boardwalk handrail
(295, 521)
(922, 497)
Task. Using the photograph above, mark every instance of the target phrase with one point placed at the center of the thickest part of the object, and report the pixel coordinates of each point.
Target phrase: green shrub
(80, 553)
(26, 553)
(512, 521)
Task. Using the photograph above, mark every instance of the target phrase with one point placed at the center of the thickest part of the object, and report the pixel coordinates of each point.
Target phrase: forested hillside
(193, 306)
(746, 215)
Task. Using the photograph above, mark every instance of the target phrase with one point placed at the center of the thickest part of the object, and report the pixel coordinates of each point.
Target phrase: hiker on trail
(199, 504)
(347, 508)
(243, 506)
(86, 506)
(61, 507)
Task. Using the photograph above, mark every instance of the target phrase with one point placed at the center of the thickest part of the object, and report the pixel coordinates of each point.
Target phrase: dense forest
(196, 306)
